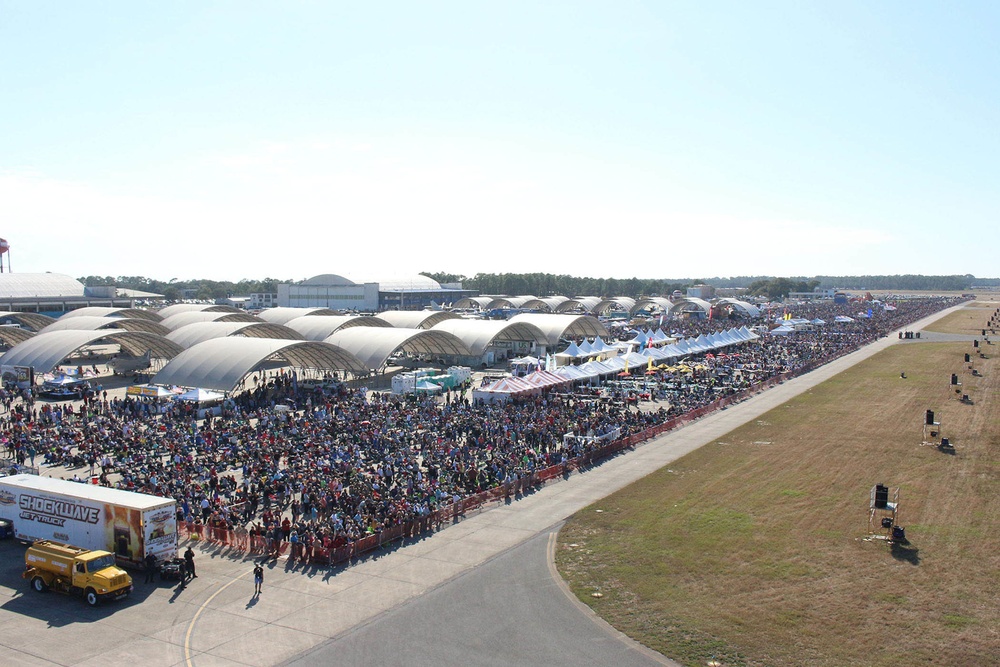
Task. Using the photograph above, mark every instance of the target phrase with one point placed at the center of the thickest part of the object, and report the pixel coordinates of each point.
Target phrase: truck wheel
(91, 597)
(39, 584)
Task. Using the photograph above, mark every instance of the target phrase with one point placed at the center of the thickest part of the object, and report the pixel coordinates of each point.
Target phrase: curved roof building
(192, 334)
(416, 319)
(45, 351)
(321, 327)
(221, 363)
(184, 318)
(479, 335)
(374, 346)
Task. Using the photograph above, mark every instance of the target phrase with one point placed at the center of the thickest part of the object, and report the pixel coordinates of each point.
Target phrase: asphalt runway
(512, 610)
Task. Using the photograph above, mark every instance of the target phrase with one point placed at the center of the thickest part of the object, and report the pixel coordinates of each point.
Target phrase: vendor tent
(200, 396)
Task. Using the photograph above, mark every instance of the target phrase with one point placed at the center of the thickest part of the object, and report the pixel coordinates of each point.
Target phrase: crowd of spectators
(345, 463)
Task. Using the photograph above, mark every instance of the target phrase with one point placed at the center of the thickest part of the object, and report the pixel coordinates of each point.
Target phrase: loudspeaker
(930, 418)
(968, 357)
(954, 379)
(975, 343)
(881, 496)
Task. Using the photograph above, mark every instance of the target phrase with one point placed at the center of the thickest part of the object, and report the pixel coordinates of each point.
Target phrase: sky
(243, 140)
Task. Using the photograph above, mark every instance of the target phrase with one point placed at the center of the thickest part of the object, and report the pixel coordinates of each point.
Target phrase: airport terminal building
(336, 292)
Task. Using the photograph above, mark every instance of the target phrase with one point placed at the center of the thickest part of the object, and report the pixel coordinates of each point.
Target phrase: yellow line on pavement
(187, 635)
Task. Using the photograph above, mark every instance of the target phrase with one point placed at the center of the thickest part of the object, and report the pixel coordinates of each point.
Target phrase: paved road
(511, 610)
(457, 588)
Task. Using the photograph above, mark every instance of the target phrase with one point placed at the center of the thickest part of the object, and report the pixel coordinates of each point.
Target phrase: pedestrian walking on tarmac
(258, 578)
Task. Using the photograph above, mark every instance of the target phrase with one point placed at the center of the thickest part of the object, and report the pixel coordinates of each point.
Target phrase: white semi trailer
(129, 525)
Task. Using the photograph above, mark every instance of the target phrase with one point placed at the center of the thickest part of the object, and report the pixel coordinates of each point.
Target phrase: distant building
(241, 302)
(411, 292)
(54, 294)
(262, 300)
(701, 292)
(817, 293)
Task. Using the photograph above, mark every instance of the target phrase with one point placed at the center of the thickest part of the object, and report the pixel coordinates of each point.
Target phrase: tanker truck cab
(68, 569)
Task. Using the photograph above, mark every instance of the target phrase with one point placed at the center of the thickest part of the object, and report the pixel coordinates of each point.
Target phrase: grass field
(755, 549)
(970, 320)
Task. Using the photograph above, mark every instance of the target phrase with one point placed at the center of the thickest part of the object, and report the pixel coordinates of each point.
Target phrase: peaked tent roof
(200, 395)
(571, 351)
(509, 385)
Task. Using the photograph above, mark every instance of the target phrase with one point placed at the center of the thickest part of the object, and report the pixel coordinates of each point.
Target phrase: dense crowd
(345, 463)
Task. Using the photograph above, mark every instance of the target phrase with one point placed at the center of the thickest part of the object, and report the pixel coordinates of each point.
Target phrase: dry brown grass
(752, 549)
(970, 320)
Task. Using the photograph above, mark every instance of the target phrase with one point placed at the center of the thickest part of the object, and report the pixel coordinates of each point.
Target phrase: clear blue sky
(233, 140)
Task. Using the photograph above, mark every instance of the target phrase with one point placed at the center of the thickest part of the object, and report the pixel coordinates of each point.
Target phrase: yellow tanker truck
(68, 569)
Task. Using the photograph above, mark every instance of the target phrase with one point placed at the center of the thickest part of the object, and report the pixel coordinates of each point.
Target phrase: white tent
(200, 396)
(571, 351)
(427, 387)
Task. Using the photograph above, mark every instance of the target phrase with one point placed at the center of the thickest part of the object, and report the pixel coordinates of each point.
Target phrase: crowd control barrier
(452, 512)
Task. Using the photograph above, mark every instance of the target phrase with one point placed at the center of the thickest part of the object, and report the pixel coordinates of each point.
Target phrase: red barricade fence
(318, 554)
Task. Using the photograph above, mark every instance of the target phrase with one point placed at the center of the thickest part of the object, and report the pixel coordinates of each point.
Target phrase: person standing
(150, 568)
(258, 578)
(189, 564)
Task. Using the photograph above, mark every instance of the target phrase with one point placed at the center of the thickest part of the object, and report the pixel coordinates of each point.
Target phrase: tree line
(548, 284)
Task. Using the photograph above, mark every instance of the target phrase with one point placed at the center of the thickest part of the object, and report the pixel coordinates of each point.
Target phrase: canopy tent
(150, 391)
(427, 387)
(571, 352)
(200, 396)
(572, 373)
(543, 379)
(503, 389)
